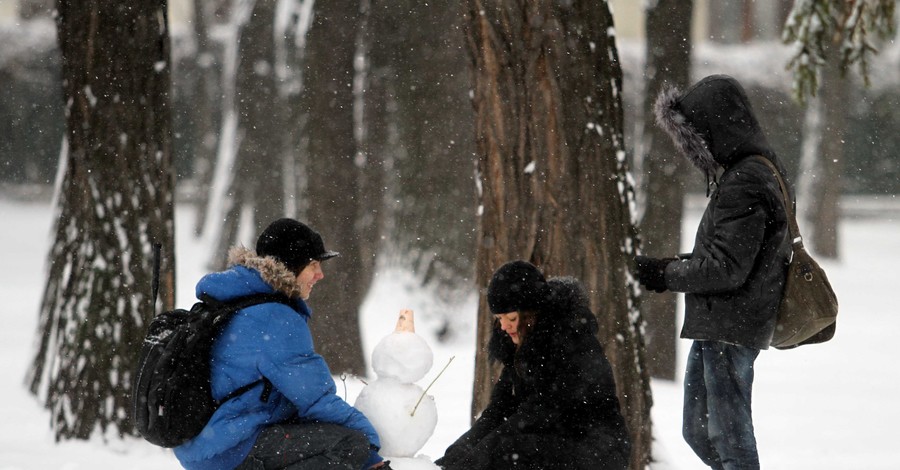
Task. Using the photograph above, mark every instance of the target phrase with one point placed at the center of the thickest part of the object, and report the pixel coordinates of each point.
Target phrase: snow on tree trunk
(662, 171)
(114, 201)
(554, 187)
(220, 203)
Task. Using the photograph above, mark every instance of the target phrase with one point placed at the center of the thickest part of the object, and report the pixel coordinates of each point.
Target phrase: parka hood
(712, 123)
(248, 274)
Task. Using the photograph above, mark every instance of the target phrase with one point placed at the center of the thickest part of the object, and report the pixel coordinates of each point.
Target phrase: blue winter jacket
(272, 341)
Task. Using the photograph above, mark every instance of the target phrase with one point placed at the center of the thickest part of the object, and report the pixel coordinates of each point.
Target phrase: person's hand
(651, 272)
(383, 465)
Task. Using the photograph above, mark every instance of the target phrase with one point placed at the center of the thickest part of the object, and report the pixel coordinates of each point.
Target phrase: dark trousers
(307, 446)
(717, 418)
(540, 452)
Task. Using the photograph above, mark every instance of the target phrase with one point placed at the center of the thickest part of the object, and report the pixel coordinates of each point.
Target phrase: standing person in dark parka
(734, 278)
(555, 404)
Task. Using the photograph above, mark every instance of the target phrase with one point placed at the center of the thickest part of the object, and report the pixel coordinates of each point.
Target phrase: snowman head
(402, 355)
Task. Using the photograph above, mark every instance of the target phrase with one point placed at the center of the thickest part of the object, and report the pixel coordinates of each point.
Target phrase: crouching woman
(555, 404)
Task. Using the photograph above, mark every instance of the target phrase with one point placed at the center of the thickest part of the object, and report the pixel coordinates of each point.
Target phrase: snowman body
(396, 406)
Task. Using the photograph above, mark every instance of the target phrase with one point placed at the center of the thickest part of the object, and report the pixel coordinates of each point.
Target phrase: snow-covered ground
(831, 406)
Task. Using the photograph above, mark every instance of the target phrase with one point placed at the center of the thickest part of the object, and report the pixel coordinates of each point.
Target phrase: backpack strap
(241, 303)
(263, 397)
(232, 307)
(794, 228)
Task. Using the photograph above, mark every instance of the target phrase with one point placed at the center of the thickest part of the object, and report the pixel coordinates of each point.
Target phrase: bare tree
(822, 160)
(336, 172)
(114, 202)
(418, 72)
(662, 170)
(204, 109)
(257, 187)
(551, 160)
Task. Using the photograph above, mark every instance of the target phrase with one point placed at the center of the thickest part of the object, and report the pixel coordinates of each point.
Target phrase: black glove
(651, 272)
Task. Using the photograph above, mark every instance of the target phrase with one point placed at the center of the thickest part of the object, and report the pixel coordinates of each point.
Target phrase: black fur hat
(517, 285)
(292, 243)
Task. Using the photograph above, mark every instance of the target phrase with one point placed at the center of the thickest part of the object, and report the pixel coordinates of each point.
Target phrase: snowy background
(831, 406)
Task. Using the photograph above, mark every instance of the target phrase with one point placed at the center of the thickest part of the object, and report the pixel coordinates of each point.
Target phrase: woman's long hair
(527, 319)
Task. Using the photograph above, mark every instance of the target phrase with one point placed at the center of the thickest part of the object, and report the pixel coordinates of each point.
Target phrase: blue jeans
(717, 420)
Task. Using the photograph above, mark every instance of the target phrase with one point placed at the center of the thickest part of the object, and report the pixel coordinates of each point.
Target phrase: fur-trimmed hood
(565, 316)
(272, 271)
(712, 123)
(248, 274)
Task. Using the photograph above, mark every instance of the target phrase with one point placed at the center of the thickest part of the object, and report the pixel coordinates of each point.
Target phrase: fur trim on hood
(275, 273)
(685, 137)
(712, 123)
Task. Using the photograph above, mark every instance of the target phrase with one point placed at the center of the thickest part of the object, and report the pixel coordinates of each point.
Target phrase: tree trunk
(370, 121)
(257, 186)
(662, 171)
(114, 202)
(418, 58)
(547, 98)
(823, 157)
(336, 206)
(260, 116)
(207, 94)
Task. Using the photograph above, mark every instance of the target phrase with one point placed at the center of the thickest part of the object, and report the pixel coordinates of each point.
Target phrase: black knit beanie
(516, 286)
(292, 243)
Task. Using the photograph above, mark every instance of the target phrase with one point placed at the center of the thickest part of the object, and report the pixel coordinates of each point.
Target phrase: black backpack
(172, 393)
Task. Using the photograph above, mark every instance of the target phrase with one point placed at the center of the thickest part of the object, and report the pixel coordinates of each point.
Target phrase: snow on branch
(848, 24)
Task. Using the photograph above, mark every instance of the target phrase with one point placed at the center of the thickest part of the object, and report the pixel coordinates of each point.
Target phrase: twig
(413, 412)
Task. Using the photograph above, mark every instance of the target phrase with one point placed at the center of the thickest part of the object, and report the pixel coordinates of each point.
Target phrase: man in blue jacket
(303, 424)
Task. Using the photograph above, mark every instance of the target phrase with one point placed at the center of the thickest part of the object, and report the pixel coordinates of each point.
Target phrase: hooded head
(712, 123)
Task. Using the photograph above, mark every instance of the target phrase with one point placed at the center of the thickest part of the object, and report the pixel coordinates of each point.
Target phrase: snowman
(398, 408)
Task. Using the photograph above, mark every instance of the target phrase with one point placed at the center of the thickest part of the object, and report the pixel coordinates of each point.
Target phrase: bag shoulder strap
(793, 227)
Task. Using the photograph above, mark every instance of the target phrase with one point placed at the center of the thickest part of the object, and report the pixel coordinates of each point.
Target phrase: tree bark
(662, 171)
(551, 162)
(337, 208)
(114, 203)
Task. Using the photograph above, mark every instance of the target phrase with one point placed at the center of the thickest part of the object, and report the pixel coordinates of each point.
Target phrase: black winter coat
(555, 404)
(735, 275)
